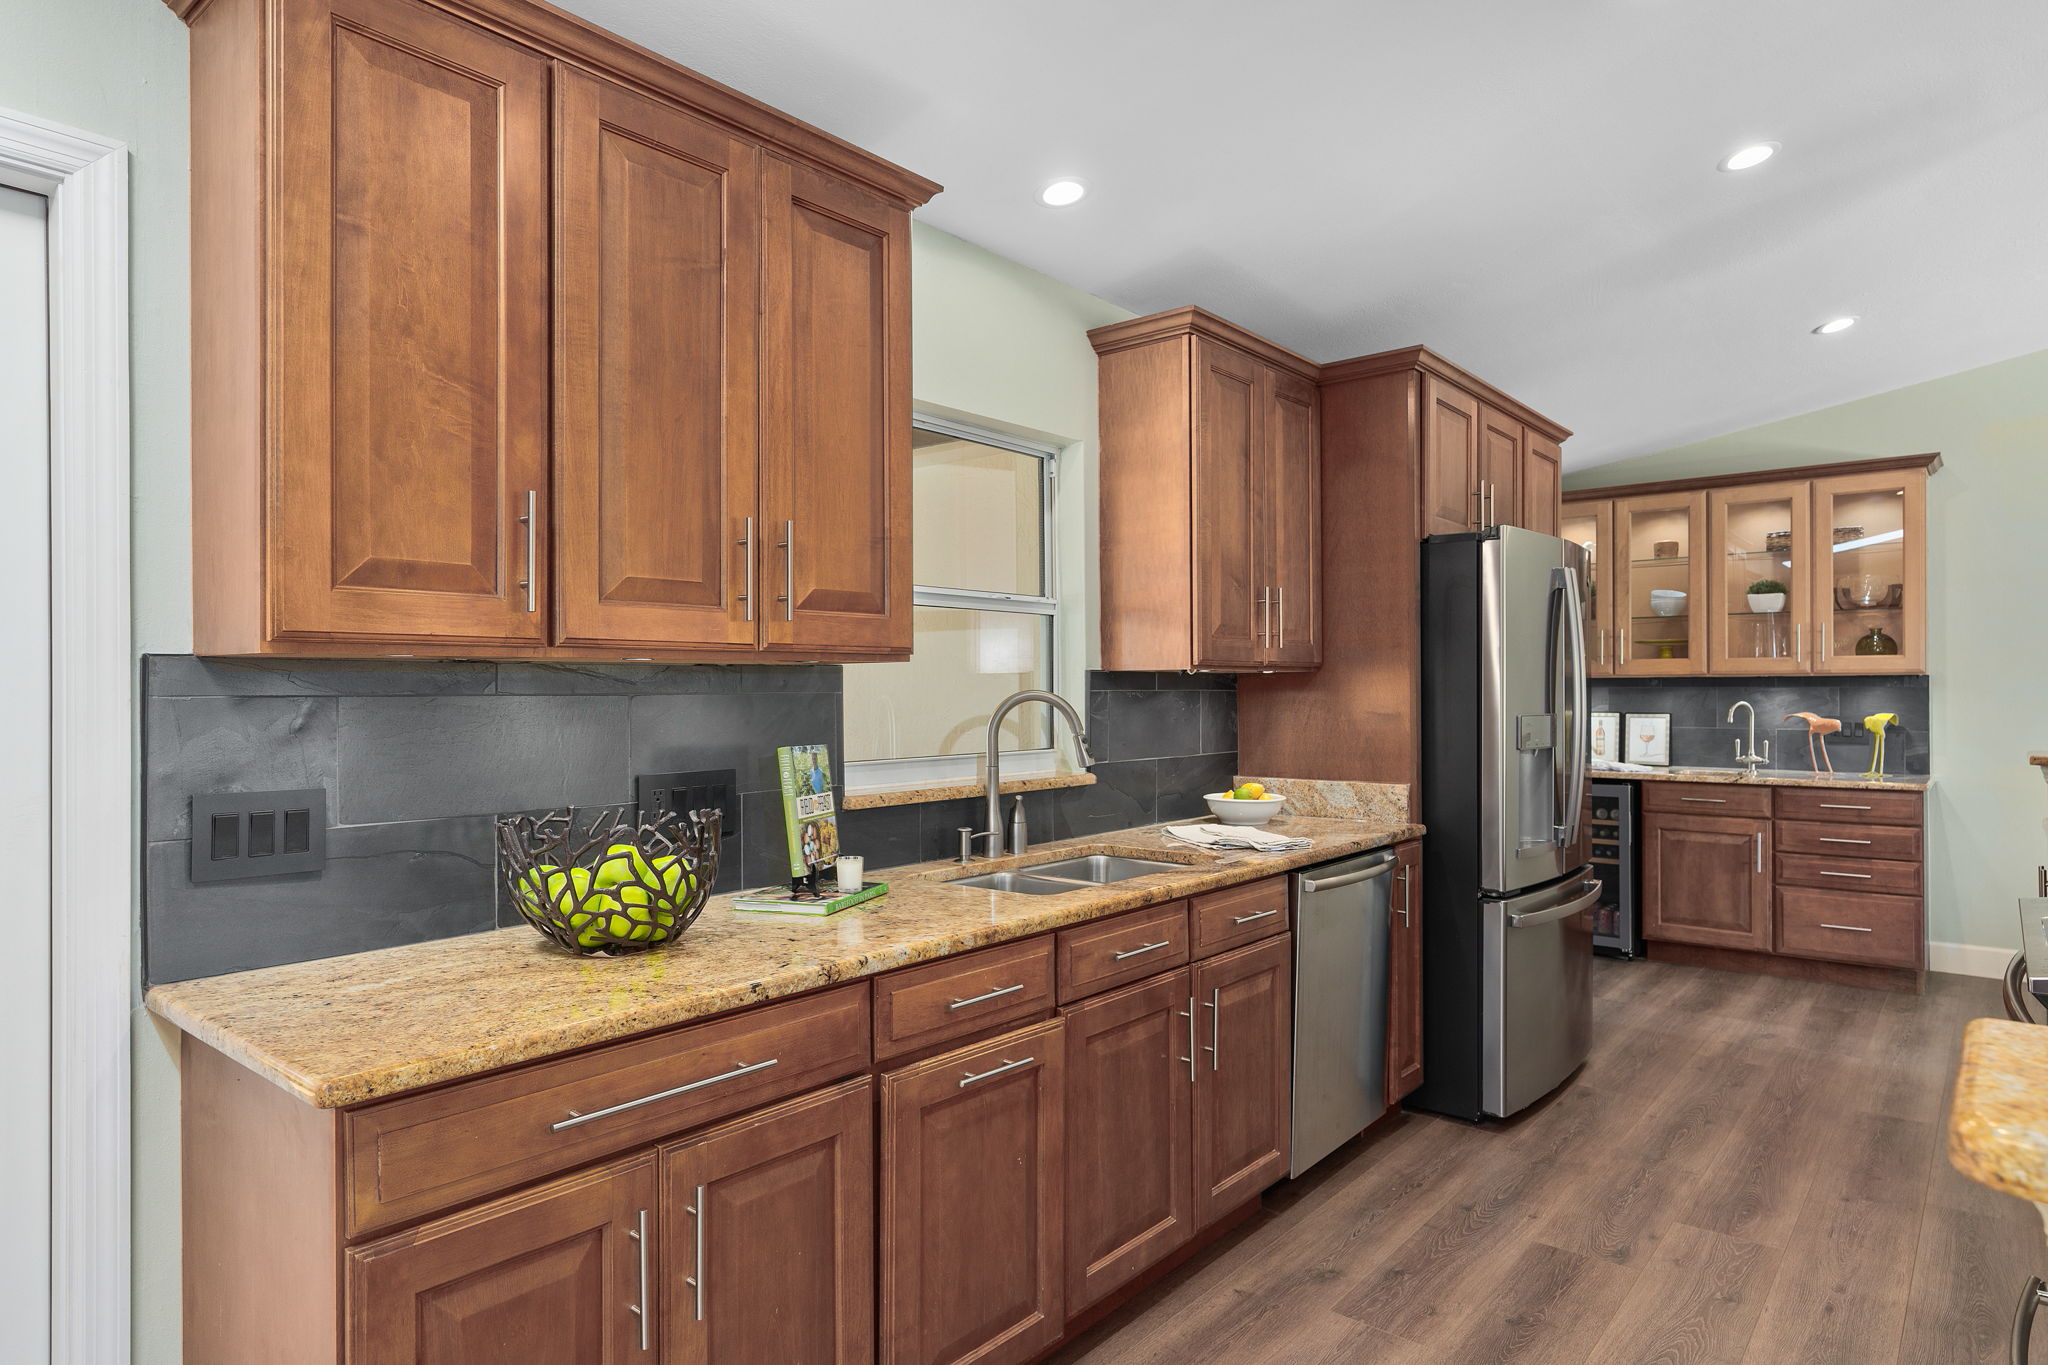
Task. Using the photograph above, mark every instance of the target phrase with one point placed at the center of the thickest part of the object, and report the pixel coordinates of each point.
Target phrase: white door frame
(92, 773)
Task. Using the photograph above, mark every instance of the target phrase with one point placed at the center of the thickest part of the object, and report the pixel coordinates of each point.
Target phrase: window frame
(944, 769)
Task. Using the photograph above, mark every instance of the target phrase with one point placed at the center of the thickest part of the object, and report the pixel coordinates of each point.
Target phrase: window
(986, 617)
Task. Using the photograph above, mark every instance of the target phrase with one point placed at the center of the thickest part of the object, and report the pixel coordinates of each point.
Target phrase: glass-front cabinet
(1660, 584)
(1760, 579)
(1870, 596)
(1590, 525)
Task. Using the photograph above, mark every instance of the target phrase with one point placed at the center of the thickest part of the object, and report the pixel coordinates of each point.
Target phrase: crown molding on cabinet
(1422, 358)
(1929, 462)
(1121, 336)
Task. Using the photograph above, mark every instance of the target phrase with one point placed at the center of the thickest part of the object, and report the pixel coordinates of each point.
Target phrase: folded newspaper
(1236, 836)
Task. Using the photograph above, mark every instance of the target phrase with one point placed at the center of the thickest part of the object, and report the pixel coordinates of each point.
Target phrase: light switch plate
(258, 834)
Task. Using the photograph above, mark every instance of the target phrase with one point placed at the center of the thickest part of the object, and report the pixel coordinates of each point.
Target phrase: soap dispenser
(1020, 829)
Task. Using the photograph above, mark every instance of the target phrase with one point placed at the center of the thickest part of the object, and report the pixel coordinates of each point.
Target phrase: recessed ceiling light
(1062, 192)
(1834, 325)
(1756, 154)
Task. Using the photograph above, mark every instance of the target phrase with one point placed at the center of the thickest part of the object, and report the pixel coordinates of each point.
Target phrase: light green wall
(1987, 592)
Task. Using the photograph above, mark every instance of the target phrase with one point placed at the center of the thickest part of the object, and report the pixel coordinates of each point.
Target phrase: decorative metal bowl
(593, 882)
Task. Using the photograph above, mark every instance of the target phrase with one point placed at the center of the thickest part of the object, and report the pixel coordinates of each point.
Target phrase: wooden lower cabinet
(1707, 880)
(1130, 1192)
(553, 1276)
(972, 1202)
(768, 1236)
(1244, 1008)
(1404, 976)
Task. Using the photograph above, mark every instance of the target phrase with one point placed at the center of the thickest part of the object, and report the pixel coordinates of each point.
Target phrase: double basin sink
(1068, 874)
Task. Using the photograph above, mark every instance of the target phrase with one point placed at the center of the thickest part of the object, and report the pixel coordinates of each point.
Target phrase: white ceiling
(1527, 186)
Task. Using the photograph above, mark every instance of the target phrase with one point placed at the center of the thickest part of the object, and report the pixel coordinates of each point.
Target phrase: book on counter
(783, 901)
(808, 816)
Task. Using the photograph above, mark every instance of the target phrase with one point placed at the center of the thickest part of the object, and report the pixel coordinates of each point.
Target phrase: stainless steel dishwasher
(1341, 925)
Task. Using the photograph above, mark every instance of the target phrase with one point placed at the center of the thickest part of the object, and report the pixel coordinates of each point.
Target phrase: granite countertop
(1998, 1121)
(1769, 777)
(344, 1030)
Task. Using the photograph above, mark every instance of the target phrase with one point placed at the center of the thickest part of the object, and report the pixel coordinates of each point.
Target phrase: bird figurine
(1818, 728)
(1876, 725)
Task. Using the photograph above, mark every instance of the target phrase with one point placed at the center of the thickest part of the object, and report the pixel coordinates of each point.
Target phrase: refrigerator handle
(1570, 777)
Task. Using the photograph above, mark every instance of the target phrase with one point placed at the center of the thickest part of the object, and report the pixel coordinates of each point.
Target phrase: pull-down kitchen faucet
(1752, 760)
(994, 832)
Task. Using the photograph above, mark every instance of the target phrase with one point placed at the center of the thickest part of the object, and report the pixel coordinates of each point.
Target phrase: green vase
(1876, 642)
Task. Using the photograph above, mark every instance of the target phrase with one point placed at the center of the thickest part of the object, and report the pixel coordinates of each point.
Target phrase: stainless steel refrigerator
(1507, 890)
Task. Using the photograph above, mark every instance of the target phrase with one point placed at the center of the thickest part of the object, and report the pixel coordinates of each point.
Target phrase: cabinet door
(560, 1275)
(1542, 482)
(1129, 1077)
(657, 279)
(1244, 1024)
(1500, 468)
(972, 1198)
(1870, 599)
(1591, 525)
(768, 1237)
(1660, 584)
(1293, 484)
(1450, 458)
(1706, 880)
(1233, 582)
(409, 328)
(1760, 537)
(835, 416)
(1404, 976)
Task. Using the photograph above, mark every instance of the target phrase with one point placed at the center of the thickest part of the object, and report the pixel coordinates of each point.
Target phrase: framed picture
(1649, 740)
(1606, 736)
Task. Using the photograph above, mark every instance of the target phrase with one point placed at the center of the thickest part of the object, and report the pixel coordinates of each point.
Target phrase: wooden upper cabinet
(1707, 880)
(835, 415)
(409, 305)
(1542, 482)
(489, 327)
(657, 280)
(1590, 525)
(1451, 478)
(1500, 468)
(551, 1277)
(1660, 584)
(1211, 498)
(1870, 587)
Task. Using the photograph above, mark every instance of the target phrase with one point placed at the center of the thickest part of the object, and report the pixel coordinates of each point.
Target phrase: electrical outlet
(258, 834)
(681, 792)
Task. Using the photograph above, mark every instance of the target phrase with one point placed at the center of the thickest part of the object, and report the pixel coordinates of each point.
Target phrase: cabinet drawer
(1849, 841)
(1850, 806)
(1846, 926)
(410, 1156)
(1239, 914)
(1095, 957)
(1708, 798)
(923, 1006)
(1849, 874)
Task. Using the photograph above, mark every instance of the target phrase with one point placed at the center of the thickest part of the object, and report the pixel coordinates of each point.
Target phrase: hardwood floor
(1749, 1171)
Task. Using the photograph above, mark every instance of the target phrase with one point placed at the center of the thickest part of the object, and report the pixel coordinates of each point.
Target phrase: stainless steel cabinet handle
(531, 521)
(1828, 840)
(1709, 800)
(2031, 1300)
(747, 550)
(1839, 805)
(1139, 952)
(695, 1279)
(575, 1118)
(1823, 642)
(1402, 877)
(991, 995)
(1008, 1065)
(1280, 610)
(788, 547)
(1848, 928)
(1189, 1015)
(1859, 876)
(1215, 1007)
(1479, 497)
(1261, 914)
(1621, 647)
(640, 1310)
(1265, 617)
(1759, 850)
(1799, 642)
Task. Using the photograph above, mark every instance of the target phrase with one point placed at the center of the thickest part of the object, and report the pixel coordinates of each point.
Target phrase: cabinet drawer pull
(1827, 839)
(1140, 952)
(1859, 876)
(575, 1118)
(788, 548)
(1215, 1007)
(1848, 928)
(531, 520)
(640, 1310)
(695, 1279)
(1280, 609)
(977, 999)
(1706, 800)
(1839, 805)
(1189, 1015)
(1247, 919)
(1759, 850)
(971, 1077)
(747, 554)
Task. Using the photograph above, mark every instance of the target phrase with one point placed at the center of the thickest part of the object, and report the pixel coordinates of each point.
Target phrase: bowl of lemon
(596, 883)
(1246, 805)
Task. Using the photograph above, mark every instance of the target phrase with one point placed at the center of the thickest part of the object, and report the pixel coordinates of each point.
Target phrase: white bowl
(1667, 602)
(1232, 811)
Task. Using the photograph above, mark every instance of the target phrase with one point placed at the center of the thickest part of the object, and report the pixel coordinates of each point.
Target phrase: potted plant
(1767, 594)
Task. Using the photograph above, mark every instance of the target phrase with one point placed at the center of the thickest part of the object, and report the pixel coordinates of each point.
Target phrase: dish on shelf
(1667, 602)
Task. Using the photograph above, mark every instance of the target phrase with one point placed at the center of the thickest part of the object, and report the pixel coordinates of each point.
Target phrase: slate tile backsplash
(419, 758)
(1702, 737)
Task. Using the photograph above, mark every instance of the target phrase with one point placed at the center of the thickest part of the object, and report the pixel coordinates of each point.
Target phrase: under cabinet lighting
(1062, 192)
(1834, 325)
(1745, 158)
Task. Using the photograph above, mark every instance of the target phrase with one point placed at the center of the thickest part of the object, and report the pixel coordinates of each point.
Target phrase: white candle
(852, 873)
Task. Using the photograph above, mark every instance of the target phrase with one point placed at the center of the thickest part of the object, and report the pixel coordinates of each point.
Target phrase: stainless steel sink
(1018, 882)
(1103, 868)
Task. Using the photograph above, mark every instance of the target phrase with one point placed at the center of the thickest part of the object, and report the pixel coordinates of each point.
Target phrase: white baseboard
(1967, 959)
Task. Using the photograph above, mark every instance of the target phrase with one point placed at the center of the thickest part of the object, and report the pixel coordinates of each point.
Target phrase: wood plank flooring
(1749, 1170)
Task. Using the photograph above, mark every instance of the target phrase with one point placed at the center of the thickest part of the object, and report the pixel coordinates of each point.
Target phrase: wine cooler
(1612, 819)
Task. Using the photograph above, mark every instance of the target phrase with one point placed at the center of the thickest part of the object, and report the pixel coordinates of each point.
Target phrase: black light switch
(258, 834)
